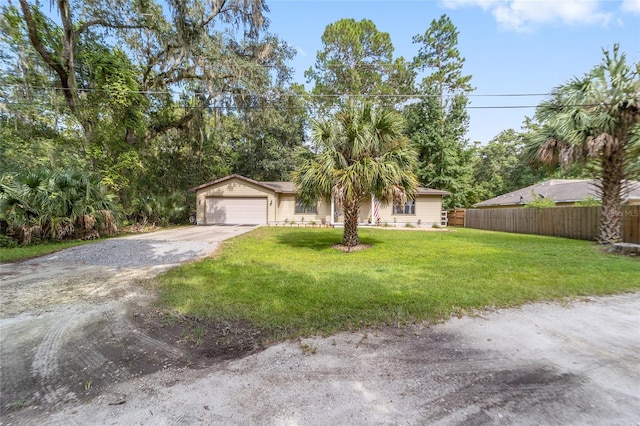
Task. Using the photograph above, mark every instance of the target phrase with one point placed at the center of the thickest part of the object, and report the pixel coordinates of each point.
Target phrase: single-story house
(236, 199)
(564, 192)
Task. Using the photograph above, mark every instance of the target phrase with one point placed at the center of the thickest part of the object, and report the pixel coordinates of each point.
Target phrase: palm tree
(595, 120)
(54, 204)
(363, 152)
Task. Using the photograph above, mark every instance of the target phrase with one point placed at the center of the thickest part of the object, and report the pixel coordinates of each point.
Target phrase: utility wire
(258, 107)
(266, 94)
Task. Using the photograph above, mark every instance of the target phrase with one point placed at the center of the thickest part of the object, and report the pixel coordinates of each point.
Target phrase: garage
(236, 211)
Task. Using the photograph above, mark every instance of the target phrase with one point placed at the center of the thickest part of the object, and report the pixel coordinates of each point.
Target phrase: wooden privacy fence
(455, 217)
(569, 222)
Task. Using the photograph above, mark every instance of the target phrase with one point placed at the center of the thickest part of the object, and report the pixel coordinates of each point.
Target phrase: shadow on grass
(319, 239)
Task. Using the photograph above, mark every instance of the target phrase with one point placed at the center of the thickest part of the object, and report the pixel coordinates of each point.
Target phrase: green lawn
(291, 282)
(27, 252)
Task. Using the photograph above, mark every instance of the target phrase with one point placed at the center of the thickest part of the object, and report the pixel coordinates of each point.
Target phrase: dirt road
(83, 344)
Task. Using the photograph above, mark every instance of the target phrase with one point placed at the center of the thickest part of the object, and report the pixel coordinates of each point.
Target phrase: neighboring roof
(289, 188)
(559, 190)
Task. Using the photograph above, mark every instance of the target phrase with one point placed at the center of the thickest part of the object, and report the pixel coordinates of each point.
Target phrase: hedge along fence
(570, 222)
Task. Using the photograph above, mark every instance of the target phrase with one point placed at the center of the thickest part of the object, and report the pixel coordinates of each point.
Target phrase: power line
(289, 94)
(257, 107)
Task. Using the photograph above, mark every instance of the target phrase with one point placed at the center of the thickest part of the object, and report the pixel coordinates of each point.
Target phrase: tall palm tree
(596, 120)
(363, 152)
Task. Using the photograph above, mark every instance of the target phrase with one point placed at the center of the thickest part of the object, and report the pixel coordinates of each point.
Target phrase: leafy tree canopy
(438, 123)
(357, 60)
(138, 92)
(438, 53)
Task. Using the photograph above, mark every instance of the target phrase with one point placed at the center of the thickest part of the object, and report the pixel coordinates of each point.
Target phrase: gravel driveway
(76, 321)
(77, 349)
(155, 249)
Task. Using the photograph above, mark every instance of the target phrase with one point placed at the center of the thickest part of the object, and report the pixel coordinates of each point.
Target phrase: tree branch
(68, 42)
(46, 55)
(161, 128)
(108, 24)
(213, 15)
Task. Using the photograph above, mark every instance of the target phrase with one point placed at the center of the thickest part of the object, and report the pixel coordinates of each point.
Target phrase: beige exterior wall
(281, 207)
(237, 188)
(428, 212)
(287, 207)
(366, 212)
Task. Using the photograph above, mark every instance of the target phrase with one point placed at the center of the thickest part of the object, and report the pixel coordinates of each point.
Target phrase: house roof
(431, 191)
(282, 187)
(559, 190)
(234, 176)
(289, 188)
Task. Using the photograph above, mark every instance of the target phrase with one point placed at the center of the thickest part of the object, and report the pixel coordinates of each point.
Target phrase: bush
(539, 202)
(589, 202)
(161, 210)
(7, 242)
(54, 205)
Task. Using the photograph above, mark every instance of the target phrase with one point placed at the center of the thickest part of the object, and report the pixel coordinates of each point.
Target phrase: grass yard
(290, 282)
(16, 254)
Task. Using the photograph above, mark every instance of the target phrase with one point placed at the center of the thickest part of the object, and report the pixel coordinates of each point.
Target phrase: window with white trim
(408, 208)
(302, 208)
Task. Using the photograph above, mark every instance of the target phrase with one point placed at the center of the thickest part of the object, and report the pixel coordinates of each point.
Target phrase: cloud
(632, 6)
(524, 15)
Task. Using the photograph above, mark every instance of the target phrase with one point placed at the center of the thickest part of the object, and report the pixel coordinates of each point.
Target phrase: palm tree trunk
(350, 236)
(610, 227)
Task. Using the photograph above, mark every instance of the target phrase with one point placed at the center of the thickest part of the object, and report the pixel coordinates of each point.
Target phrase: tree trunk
(350, 236)
(610, 228)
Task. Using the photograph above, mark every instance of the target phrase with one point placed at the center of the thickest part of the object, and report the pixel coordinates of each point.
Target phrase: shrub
(540, 202)
(589, 202)
(54, 205)
(160, 210)
(7, 242)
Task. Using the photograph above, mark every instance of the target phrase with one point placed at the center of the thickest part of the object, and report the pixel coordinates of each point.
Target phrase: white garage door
(236, 211)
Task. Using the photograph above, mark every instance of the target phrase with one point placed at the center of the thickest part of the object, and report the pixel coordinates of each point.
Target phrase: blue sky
(510, 46)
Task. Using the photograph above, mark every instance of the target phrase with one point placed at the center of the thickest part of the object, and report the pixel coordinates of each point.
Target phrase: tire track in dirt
(90, 359)
(528, 386)
(45, 362)
(70, 322)
(121, 327)
(67, 319)
(45, 368)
